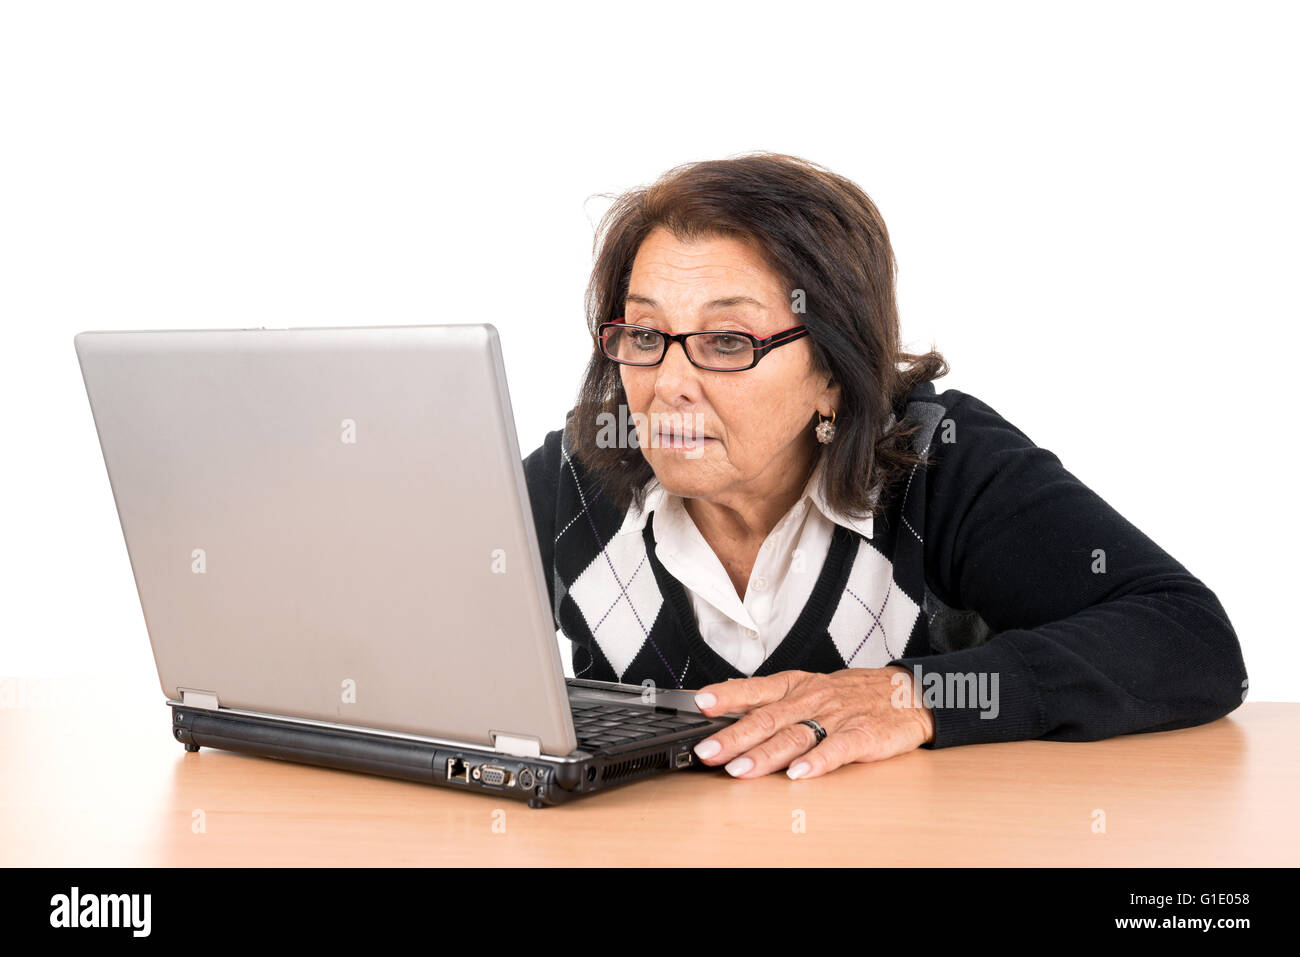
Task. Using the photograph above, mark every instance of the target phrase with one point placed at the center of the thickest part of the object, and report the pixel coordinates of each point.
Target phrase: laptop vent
(634, 766)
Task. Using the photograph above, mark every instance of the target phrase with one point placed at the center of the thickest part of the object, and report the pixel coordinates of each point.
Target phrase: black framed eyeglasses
(711, 350)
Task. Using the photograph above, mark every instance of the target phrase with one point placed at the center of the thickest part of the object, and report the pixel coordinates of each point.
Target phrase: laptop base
(540, 781)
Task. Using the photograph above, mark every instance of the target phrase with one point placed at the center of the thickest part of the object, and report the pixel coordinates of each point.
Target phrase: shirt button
(751, 632)
(760, 583)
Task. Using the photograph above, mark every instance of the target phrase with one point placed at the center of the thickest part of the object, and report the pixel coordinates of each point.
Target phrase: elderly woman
(801, 527)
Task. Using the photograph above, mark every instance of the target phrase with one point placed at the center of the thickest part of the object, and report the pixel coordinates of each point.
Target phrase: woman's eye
(726, 344)
(645, 340)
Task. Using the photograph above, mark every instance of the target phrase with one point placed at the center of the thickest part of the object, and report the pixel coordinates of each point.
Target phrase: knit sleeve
(542, 475)
(1096, 631)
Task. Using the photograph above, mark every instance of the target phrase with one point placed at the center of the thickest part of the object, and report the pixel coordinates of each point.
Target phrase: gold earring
(825, 429)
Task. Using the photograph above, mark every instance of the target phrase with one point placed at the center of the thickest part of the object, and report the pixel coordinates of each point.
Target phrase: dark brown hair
(821, 234)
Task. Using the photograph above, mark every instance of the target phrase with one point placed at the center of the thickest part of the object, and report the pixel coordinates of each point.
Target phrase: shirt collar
(656, 496)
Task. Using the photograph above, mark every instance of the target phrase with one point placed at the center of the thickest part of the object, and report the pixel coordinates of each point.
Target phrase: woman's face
(756, 423)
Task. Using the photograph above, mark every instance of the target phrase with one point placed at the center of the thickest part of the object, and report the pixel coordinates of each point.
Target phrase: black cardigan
(993, 570)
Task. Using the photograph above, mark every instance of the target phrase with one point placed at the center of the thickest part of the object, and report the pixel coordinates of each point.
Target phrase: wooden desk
(95, 783)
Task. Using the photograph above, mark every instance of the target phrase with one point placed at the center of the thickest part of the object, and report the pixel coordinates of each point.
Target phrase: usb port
(682, 760)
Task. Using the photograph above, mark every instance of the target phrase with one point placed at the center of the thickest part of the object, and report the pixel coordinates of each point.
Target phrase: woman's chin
(678, 469)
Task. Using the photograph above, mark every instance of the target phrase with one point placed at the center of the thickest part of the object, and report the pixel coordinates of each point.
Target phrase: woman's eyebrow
(726, 303)
(733, 301)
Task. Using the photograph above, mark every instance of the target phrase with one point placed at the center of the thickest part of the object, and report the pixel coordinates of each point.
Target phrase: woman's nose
(675, 364)
(675, 374)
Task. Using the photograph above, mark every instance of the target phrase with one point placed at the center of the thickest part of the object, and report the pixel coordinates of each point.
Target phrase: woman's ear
(830, 398)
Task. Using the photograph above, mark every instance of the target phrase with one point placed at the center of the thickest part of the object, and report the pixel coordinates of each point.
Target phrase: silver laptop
(336, 559)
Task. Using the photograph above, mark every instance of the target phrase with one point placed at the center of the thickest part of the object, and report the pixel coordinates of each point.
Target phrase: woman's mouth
(682, 442)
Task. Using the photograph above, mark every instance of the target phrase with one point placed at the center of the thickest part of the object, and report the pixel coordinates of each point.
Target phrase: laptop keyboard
(601, 726)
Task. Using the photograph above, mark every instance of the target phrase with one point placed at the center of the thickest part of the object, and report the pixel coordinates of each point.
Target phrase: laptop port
(497, 776)
(457, 770)
(526, 779)
(682, 760)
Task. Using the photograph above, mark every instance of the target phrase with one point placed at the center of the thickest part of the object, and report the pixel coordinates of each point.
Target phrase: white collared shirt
(745, 632)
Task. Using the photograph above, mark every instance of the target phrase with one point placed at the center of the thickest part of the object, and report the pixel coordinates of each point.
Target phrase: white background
(1093, 207)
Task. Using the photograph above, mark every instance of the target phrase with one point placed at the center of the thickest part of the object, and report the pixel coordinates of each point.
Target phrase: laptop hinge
(198, 699)
(521, 746)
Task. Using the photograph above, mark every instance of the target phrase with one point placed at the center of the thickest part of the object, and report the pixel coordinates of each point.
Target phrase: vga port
(498, 776)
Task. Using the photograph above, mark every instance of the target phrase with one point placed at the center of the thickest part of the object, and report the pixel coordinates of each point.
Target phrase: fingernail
(739, 766)
(707, 749)
(799, 770)
(705, 700)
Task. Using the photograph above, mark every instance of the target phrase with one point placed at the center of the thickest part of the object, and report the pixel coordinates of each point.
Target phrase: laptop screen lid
(332, 524)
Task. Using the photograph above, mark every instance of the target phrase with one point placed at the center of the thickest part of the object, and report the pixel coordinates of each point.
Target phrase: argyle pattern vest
(631, 621)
